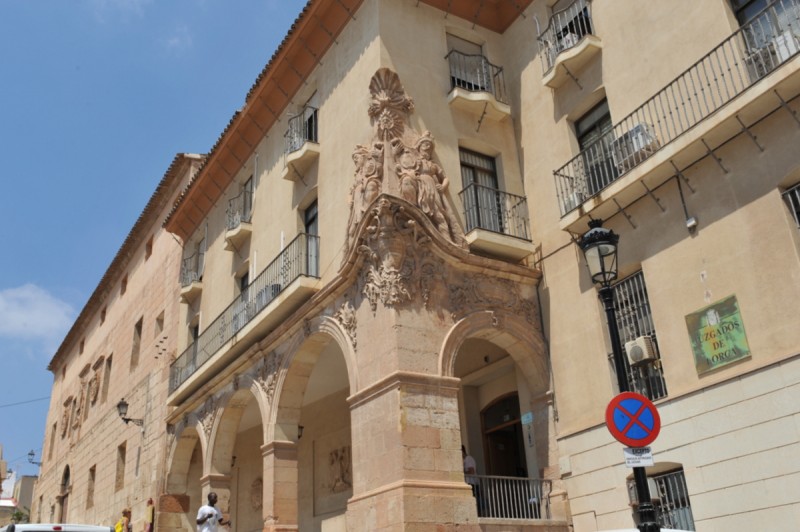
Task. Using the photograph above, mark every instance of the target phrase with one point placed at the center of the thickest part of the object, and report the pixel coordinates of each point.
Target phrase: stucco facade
(379, 265)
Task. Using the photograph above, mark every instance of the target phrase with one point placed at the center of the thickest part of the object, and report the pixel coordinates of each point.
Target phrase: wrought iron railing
(300, 258)
(673, 507)
(564, 30)
(792, 197)
(476, 74)
(240, 209)
(192, 268)
(635, 320)
(752, 52)
(302, 129)
(495, 210)
(511, 497)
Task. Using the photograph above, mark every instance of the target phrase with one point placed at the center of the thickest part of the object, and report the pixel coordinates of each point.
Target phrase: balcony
(511, 498)
(477, 86)
(742, 80)
(238, 215)
(284, 285)
(192, 277)
(567, 44)
(301, 144)
(496, 222)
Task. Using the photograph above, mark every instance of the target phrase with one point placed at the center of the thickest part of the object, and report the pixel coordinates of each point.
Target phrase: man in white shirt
(209, 515)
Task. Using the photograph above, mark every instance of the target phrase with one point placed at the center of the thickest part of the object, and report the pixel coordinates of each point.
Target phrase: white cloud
(32, 313)
(179, 41)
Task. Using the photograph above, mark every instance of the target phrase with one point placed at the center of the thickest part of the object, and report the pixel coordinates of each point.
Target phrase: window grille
(674, 509)
(792, 197)
(635, 319)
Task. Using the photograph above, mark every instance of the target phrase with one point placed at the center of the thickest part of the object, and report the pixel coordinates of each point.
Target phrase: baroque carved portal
(399, 161)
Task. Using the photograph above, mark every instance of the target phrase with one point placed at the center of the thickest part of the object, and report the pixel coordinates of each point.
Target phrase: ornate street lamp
(122, 409)
(599, 246)
(31, 456)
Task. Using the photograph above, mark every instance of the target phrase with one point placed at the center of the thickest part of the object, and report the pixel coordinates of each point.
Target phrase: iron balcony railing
(240, 209)
(673, 508)
(792, 197)
(564, 30)
(302, 129)
(300, 258)
(495, 210)
(511, 497)
(752, 52)
(476, 74)
(192, 268)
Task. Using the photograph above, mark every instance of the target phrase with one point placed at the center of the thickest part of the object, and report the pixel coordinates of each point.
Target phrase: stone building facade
(351, 313)
(94, 464)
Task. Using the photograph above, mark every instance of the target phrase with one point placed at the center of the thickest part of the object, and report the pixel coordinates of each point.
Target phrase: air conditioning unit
(633, 497)
(573, 201)
(640, 351)
(568, 41)
(785, 46)
(633, 147)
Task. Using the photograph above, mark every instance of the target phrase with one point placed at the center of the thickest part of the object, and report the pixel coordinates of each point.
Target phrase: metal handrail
(240, 209)
(748, 55)
(564, 30)
(499, 497)
(494, 210)
(302, 129)
(300, 258)
(192, 269)
(476, 74)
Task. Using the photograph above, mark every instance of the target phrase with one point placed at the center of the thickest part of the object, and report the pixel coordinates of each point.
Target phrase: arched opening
(236, 461)
(63, 496)
(183, 490)
(504, 414)
(314, 415)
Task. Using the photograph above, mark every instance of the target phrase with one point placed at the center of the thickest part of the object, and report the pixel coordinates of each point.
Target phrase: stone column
(407, 465)
(280, 486)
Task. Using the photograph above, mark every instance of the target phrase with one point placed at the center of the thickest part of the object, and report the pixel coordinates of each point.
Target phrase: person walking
(209, 515)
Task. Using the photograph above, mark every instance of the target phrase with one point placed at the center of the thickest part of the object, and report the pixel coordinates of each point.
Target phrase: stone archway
(308, 460)
(183, 488)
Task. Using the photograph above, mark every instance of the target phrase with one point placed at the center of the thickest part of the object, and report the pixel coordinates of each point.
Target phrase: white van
(50, 527)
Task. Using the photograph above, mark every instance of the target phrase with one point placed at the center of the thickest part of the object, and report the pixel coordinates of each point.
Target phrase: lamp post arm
(606, 295)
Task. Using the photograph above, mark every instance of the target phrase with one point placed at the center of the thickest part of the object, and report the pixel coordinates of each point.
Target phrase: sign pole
(647, 512)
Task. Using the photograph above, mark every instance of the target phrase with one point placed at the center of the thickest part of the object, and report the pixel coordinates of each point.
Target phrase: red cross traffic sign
(633, 419)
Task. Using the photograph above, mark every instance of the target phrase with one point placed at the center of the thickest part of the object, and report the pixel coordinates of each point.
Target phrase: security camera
(691, 224)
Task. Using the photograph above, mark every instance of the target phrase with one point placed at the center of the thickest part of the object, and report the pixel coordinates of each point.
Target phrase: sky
(96, 98)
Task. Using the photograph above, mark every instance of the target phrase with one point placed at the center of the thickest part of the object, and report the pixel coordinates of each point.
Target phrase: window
(480, 195)
(148, 248)
(746, 10)
(123, 285)
(90, 487)
(468, 68)
(137, 343)
(635, 320)
(247, 194)
(595, 135)
(81, 346)
(670, 496)
(52, 441)
(792, 198)
(311, 225)
(159, 324)
(106, 378)
(119, 479)
(103, 316)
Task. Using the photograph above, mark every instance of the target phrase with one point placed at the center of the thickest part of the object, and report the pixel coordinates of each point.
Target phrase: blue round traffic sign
(633, 419)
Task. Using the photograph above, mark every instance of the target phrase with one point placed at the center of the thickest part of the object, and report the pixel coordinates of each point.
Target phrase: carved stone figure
(267, 376)
(346, 316)
(94, 387)
(412, 172)
(257, 494)
(340, 467)
(207, 414)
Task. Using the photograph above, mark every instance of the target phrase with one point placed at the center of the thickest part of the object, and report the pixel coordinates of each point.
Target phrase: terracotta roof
(136, 237)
